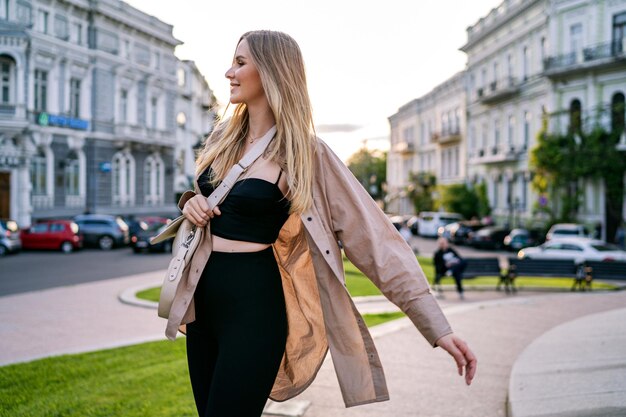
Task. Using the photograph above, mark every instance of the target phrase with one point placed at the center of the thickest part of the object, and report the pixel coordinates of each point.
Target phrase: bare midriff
(221, 244)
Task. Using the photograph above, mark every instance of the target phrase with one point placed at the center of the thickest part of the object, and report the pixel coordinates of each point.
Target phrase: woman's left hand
(462, 354)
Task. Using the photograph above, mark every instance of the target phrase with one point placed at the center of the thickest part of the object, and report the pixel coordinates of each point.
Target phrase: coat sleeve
(376, 248)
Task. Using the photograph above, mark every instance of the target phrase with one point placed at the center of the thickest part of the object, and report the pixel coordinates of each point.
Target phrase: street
(39, 270)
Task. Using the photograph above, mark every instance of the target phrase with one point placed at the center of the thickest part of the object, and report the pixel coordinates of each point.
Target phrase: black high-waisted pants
(236, 343)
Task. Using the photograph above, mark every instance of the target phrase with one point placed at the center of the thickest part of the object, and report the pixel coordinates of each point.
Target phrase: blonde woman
(265, 296)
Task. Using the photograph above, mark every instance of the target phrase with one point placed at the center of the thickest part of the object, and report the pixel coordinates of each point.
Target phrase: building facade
(528, 60)
(88, 113)
(507, 96)
(427, 136)
(195, 115)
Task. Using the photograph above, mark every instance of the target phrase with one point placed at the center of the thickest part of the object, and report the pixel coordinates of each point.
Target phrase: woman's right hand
(197, 210)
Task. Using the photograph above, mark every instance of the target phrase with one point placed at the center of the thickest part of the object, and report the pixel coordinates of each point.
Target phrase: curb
(128, 296)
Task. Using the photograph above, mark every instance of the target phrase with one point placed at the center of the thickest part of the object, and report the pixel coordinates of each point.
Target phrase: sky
(364, 59)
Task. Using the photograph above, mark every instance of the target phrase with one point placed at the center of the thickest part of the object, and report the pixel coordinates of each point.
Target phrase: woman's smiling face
(245, 81)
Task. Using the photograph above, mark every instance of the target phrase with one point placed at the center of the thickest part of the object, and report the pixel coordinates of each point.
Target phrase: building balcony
(404, 148)
(142, 134)
(605, 55)
(498, 91)
(495, 155)
(446, 136)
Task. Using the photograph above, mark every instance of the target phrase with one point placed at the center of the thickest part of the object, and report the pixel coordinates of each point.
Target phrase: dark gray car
(102, 230)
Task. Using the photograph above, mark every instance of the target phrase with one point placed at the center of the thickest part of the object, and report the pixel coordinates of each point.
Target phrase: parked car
(412, 225)
(60, 235)
(9, 237)
(102, 230)
(521, 238)
(490, 237)
(560, 230)
(429, 222)
(579, 249)
(460, 234)
(140, 241)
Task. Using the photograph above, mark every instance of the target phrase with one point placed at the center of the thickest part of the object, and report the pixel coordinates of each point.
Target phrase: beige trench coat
(320, 311)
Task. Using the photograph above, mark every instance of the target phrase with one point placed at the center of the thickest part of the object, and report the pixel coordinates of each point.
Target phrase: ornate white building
(427, 135)
(195, 115)
(527, 59)
(88, 110)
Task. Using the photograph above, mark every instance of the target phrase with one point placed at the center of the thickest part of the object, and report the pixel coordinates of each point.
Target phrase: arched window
(122, 178)
(7, 80)
(153, 174)
(72, 174)
(575, 117)
(617, 112)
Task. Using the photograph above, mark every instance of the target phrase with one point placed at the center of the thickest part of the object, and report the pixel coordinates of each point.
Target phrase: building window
(153, 173)
(43, 21)
(77, 33)
(157, 60)
(527, 120)
(72, 174)
(182, 77)
(41, 90)
(617, 112)
(483, 144)
(575, 37)
(511, 132)
(575, 119)
(509, 65)
(153, 112)
(544, 48)
(525, 63)
(127, 49)
(619, 32)
(123, 106)
(61, 29)
(4, 9)
(24, 13)
(75, 98)
(38, 174)
(7, 66)
(496, 135)
(123, 178)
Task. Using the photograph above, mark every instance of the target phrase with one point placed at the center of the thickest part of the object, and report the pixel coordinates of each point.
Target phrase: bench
(550, 268)
(607, 270)
(483, 267)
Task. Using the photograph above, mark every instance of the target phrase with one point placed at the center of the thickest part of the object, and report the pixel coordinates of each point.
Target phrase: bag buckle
(187, 241)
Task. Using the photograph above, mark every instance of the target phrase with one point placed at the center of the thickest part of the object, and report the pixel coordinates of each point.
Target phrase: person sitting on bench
(448, 262)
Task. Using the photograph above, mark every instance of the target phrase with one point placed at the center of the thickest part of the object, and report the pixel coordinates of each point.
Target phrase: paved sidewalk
(575, 369)
(422, 381)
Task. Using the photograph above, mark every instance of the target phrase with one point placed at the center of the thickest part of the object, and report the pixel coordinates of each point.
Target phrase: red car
(52, 234)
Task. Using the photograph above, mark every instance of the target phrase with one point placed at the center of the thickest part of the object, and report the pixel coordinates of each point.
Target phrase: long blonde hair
(279, 61)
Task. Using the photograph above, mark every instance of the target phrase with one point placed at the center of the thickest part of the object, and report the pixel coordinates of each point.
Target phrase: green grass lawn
(359, 285)
(149, 379)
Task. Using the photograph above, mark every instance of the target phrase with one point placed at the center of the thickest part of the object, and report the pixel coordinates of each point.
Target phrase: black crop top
(253, 211)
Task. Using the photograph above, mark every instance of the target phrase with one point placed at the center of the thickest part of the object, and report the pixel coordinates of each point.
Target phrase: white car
(560, 230)
(578, 249)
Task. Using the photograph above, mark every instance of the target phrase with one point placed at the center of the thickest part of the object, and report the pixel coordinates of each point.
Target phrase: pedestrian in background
(448, 262)
(265, 297)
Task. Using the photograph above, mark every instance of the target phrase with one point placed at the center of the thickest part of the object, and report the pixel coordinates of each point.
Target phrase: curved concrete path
(576, 369)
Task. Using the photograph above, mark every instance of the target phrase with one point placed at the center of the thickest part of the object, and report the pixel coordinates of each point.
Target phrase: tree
(563, 161)
(470, 201)
(420, 190)
(370, 168)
